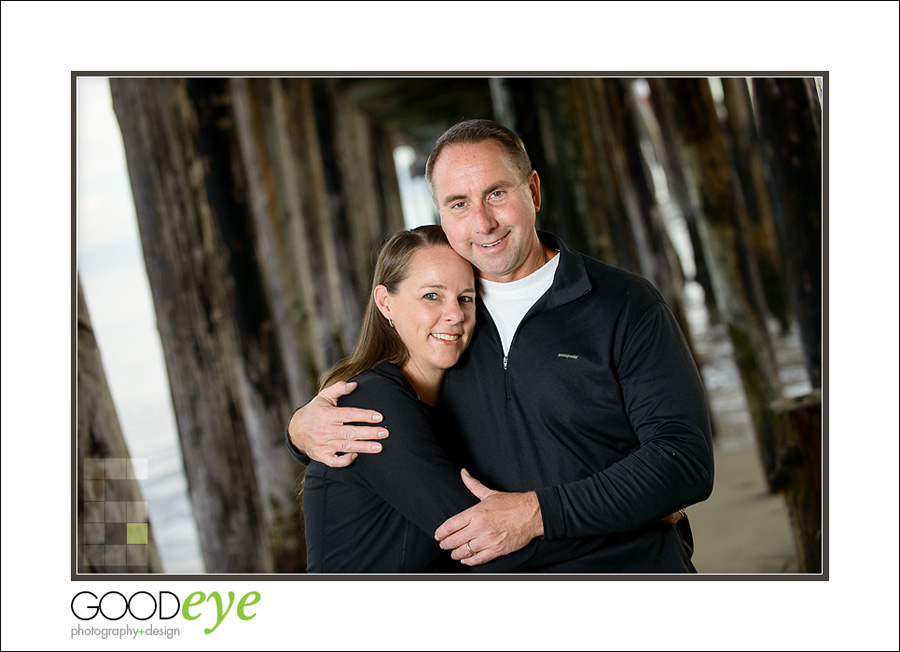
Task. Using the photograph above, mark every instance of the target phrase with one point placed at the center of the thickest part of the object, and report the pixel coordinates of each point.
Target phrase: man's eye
(458, 204)
(497, 193)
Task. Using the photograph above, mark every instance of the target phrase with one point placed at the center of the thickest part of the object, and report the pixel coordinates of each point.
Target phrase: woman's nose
(453, 314)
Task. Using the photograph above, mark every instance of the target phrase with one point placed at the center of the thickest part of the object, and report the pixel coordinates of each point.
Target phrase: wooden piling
(762, 240)
(228, 384)
(660, 263)
(798, 473)
(791, 138)
(708, 170)
(669, 157)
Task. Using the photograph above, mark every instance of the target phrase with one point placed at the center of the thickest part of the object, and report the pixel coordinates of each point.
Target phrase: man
(578, 396)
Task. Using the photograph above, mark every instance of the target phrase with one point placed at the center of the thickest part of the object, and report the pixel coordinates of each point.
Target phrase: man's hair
(471, 132)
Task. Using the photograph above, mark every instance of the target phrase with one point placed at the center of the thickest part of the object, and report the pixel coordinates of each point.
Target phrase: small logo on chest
(567, 355)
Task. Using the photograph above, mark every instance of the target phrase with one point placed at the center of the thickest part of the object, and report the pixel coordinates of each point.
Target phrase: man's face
(487, 210)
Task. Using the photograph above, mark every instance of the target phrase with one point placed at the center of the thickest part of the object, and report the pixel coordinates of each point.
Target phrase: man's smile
(494, 244)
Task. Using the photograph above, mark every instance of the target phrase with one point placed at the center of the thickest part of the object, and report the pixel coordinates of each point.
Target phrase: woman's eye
(467, 299)
(430, 295)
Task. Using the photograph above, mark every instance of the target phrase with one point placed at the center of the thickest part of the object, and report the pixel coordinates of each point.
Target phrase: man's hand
(500, 524)
(318, 428)
(672, 519)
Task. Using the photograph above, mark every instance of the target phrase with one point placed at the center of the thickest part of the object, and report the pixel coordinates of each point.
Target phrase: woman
(380, 513)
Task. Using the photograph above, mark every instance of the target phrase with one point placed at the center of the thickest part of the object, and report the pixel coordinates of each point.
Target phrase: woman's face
(434, 308)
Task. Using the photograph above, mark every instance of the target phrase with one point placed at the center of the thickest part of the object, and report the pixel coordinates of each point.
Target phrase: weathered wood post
(322, 193)
(596, 201)
(792, 145)
(748, 163)
(556, 153)
(798, 473)
(709, 172)
(113, 527)
(228, 384)
(659, 261)
(668, 154)
(788, 113)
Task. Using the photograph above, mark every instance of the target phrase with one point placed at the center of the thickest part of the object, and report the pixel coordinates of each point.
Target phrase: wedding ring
(469, 548)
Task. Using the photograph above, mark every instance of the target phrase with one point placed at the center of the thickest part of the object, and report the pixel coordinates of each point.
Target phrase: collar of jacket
(571, 280)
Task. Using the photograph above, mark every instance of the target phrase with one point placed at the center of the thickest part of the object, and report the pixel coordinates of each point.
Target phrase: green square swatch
(136, 533)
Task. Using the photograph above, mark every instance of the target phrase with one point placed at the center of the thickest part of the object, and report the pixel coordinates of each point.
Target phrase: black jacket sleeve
(293, 450)
(671, 468)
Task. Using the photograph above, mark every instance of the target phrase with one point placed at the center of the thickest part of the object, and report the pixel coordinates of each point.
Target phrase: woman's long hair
(377, 341)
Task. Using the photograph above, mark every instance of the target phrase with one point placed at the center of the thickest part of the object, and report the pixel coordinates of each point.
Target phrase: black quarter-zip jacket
(599, 407)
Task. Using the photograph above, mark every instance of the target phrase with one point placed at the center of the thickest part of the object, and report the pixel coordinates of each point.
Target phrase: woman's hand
(319, 429)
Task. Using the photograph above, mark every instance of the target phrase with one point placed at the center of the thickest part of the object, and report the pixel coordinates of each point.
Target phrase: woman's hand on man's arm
(320, 428)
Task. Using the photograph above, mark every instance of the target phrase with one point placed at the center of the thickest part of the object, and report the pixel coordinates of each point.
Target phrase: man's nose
(484, 219)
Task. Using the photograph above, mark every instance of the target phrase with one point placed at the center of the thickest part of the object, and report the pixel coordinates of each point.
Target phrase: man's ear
(383, 301)
(534, 186)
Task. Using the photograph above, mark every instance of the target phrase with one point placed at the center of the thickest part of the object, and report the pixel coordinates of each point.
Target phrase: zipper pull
(506, 376)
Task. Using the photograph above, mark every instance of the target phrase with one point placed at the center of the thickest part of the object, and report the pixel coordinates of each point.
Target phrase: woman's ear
(383, 301)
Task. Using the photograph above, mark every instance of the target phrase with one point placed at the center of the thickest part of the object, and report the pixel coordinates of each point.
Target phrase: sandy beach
(742, 528)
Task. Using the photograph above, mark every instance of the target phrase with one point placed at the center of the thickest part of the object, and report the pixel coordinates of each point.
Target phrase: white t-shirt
(508, 302)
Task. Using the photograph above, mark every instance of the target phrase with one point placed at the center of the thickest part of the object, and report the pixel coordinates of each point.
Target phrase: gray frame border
(75, 576)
